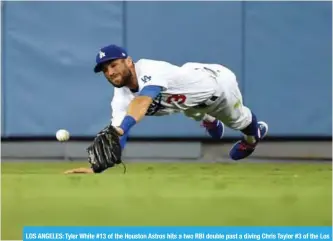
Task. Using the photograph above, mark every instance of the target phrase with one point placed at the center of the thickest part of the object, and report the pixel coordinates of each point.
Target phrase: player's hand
(81, 170)
(119, 130)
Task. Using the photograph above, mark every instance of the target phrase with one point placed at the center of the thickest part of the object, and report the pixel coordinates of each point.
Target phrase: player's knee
(238, 123)
(197, 116)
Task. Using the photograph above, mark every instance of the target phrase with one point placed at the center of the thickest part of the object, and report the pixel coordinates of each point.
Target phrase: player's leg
(214, 127)
(252, 134)
(235, 115)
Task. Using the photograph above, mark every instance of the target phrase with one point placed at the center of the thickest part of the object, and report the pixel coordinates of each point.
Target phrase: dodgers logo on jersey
(146, 78)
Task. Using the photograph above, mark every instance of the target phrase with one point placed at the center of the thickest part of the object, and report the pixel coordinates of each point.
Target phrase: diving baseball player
(204, 92)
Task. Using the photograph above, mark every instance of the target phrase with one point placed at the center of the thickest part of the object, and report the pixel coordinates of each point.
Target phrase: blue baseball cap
(110, 52)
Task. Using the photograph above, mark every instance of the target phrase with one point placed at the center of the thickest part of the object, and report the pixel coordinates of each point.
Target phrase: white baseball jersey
(183, 87)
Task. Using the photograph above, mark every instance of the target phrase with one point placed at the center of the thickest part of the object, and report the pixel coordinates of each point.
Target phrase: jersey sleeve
(119, 105)
(153, 74)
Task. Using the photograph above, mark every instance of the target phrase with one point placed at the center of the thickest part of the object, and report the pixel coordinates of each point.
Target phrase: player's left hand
(105, 151)
(119, 130)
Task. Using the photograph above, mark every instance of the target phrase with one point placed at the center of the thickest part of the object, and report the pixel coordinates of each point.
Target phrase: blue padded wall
(280, 51)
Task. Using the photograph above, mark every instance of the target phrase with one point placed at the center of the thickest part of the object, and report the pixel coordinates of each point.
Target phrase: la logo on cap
(101, 54)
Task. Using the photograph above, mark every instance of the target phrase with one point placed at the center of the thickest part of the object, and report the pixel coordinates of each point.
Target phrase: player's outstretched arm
(138, 107)
(135, 113)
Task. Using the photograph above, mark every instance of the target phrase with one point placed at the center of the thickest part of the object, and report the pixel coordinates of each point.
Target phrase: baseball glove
(105, 151)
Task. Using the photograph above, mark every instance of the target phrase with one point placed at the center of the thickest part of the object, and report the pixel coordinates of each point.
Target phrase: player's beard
(126, 79)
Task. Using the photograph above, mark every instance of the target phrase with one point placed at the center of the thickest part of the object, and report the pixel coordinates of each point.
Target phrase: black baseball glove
(105, 151)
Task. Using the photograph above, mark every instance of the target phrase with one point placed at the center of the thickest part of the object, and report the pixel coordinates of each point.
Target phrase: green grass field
(166, 194)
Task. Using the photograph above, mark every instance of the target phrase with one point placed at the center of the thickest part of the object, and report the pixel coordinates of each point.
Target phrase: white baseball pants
(228, 107)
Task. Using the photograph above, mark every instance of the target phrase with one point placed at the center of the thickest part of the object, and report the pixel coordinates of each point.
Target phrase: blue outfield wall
(281, 53)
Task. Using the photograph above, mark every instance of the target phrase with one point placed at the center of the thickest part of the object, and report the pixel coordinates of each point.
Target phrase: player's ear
(129, 61)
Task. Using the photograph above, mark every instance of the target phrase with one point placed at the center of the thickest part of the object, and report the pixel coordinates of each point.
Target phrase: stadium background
(280, 51)
(282, 55)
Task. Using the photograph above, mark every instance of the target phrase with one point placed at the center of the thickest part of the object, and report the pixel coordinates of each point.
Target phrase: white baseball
(62, 135)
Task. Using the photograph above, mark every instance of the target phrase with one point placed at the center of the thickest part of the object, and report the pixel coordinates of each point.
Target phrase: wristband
(127, 123)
